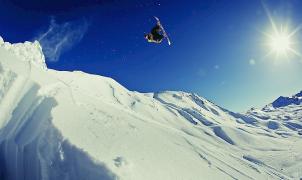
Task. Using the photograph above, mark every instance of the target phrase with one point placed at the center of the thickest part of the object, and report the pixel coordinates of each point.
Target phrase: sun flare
(281, 39)
(280, 43)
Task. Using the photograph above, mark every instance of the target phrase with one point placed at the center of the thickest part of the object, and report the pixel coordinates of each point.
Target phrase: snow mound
(1, 40)
(74, 125)
(31, 147)
(27, 51)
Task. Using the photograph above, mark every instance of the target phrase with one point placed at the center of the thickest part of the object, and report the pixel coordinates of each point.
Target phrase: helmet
(148, 37)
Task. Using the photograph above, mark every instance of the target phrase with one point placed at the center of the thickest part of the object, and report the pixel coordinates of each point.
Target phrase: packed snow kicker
(73, 125)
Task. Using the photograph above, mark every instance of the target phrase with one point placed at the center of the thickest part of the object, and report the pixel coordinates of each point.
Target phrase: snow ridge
(73, 125)
(1, 40)
(285, 101)
(27, 51)
(31, 147)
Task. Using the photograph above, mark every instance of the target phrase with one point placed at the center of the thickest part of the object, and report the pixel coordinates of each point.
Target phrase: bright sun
(280, 40)
(280, 43)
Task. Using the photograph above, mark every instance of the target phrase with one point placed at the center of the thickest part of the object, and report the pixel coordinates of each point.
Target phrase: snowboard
(163, 30)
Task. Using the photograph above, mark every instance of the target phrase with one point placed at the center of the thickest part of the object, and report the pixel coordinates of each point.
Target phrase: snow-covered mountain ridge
(285, 101)
(282, 115)
(73, 125)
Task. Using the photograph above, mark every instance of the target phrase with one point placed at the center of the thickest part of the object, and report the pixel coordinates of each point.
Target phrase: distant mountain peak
(299, 94)
(285, 101)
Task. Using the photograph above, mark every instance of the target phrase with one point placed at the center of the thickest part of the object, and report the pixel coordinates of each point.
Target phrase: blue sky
(218, 49)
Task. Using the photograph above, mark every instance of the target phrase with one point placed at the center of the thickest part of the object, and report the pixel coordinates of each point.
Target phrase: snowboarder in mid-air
(157, 33)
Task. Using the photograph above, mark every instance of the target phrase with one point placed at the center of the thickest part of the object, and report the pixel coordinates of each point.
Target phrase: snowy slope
(73, 125)
(284, 118)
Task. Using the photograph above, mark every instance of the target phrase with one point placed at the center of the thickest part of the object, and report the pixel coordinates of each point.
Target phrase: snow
(299, 94)
(74, 125)
(27, 51)
(285, 101)
(1, 40)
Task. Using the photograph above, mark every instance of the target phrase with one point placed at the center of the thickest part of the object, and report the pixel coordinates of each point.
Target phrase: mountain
(283, 115)
(285, 101)
(74, 125)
